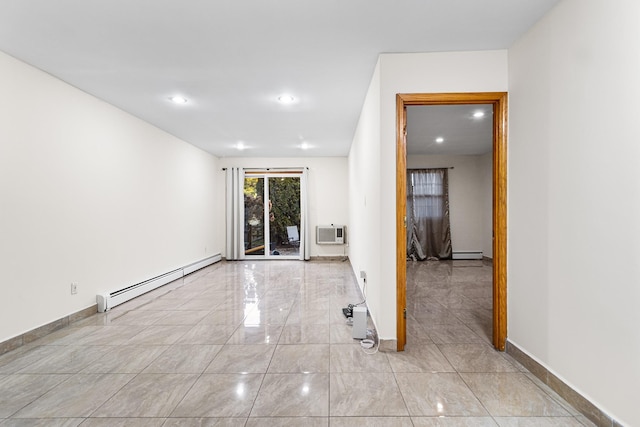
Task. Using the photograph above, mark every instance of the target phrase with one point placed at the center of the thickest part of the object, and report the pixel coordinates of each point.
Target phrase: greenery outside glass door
(272, 229)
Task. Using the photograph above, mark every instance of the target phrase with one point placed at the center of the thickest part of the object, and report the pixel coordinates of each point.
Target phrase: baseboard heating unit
(108, 300)
(467, 255)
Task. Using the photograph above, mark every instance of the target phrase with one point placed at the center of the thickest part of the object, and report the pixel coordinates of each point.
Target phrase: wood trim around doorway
(499, 102)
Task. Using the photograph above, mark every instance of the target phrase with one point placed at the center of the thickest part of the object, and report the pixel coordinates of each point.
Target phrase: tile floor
(265, 344)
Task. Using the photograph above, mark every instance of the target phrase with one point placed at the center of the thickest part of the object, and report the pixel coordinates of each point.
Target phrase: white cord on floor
(369, 343)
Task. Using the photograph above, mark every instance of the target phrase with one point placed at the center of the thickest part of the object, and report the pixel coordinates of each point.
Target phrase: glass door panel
(284, 216)
(272, 229)
(254, 236)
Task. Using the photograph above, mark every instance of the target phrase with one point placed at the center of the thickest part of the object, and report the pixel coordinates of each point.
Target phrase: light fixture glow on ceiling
(304, 146)
(439, 140)
(240, 145)
(286, 99)
(177, 99)
(478, 114)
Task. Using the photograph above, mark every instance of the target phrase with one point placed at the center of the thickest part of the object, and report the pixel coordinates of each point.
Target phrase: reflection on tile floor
(264, 343)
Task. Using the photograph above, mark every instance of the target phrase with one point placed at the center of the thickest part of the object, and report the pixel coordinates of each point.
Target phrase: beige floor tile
(125, 359)
(305, 334)
(484, 330)
(293, 395)
(182, 317)
(453, 422)
(455, 334)
(512, 394)
(16, 391)
(366, 394)
(111, 335)
(416, 332)
(313, 296)
(159, 335)
(27, 357)
(476, 358)
(438, 394)
(352, 358)
(419, 358)
(288, 422)
(205, 422)
(67, 360)
(267, 316)
(123, 422)
(242, 359)
(300, 359)
(41, 422)
(370, 421)
(224, 317)
(208, 334)
(428, 317)
(148, 395)
(261, 334)
(15, 350)
(184, 359)
(200, 303)
(137, 317)
(79, 396)
(220, 395)
(538, 422)
(162, 302)
(301, 316)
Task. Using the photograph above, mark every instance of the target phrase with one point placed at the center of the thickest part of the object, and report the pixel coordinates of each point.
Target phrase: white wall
(467, 198)
(373, 159)
(364, 198)
(89, 195)
(574, 199)
(327, 193)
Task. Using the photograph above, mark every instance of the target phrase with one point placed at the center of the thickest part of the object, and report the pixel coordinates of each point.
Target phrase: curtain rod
(270, 169)
(421, 169)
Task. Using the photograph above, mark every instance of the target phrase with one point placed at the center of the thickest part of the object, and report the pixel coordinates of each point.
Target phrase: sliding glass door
(272, 215)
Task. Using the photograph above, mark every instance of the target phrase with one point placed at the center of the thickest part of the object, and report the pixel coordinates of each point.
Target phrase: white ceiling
(232, 58)
(462, 133)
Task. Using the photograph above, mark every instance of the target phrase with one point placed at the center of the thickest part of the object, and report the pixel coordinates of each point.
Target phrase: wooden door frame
(499, 102)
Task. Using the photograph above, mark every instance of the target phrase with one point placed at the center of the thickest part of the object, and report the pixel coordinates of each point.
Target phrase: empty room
(212, 213)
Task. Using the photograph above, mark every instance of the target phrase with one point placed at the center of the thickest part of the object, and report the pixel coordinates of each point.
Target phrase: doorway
(498, 100)
(272, 215)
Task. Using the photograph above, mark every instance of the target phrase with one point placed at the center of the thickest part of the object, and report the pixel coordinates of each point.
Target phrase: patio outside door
(272, 217)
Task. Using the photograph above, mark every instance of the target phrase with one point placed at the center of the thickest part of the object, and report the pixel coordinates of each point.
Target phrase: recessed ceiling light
(240, 145)
(478, 114)
(286, 99)
(439, 140)
(177, 99)
(304, 146)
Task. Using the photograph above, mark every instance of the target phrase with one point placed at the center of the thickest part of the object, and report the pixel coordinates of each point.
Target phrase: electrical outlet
(74, 288)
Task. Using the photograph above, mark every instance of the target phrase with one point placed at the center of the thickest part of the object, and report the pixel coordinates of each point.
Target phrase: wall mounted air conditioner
(331, 234)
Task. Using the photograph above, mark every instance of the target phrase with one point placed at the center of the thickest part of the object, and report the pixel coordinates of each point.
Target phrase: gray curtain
(235, 214)
(428, 226)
